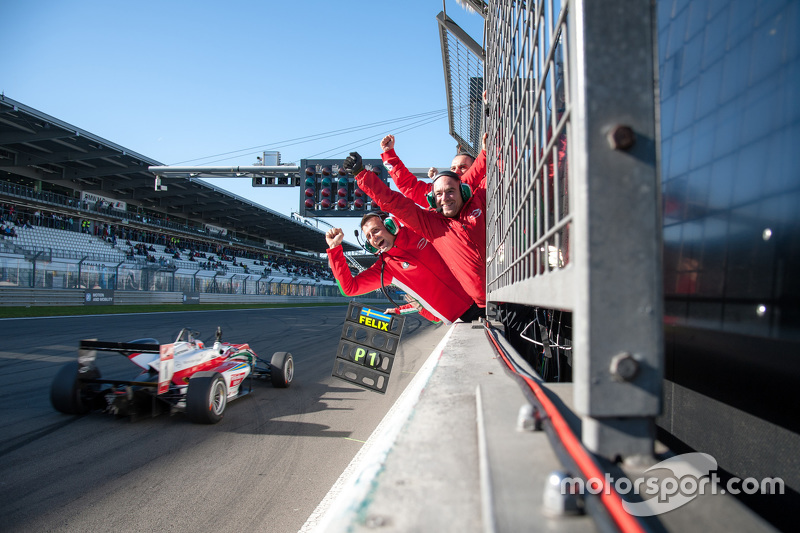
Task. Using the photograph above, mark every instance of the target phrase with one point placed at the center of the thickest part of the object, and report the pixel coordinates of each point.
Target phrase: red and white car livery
(184, 375)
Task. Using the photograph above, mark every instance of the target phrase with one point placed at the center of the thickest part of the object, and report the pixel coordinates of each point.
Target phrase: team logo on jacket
(388, 166)
(475, 213)
(422, 244)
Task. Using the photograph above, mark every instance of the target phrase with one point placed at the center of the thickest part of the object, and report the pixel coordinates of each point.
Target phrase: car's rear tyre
(206, 398)
(67, 393)
(281, 369)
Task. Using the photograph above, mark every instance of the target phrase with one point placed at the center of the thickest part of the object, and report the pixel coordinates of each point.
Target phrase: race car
(183, 376)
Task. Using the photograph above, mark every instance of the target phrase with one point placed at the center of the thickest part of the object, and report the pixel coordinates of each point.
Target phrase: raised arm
(410, 214)
(350, 285)
(406, 182)
(475, 177)
(404, 209)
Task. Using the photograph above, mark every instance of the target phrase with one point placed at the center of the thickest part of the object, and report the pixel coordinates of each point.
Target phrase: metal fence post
(618, 309)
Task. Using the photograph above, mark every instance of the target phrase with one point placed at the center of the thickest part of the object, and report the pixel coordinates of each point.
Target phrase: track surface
(264, 467)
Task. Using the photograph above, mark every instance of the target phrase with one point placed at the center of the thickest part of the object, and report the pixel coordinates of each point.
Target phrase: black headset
(466, 192)
(391, 226)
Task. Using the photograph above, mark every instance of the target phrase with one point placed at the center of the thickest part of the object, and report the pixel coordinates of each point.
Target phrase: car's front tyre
(281, 369)
(206, 398)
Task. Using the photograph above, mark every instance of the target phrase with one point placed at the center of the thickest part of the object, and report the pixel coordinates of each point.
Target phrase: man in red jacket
(470, 170)
(406, 260)
(455, 225)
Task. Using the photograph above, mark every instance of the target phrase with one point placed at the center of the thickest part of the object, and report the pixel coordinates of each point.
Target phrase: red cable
(610, 498)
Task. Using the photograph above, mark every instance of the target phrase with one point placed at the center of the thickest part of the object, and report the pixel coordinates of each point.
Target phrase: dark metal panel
(731, 187)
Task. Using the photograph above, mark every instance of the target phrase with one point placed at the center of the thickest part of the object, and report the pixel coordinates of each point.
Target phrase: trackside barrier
(63, 297)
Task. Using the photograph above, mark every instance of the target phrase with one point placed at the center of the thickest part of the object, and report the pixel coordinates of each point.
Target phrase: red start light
(359, 203)
(358, 193)
(310, 171)
(342, 171)
(309, 203)
(326, 192)
(326, 171)
(325, 203)
(342, 203)
(310, 192)
(343, 192)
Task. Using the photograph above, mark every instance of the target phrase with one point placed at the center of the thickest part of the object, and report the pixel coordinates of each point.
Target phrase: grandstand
(70, 197)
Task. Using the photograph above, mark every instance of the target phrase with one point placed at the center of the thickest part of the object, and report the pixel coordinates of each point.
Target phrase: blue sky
(180, 81)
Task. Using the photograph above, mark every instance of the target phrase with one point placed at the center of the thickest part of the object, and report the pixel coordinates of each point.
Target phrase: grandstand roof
(38, 146)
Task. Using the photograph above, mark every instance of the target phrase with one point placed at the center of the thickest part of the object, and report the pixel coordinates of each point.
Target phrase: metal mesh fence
(528, 119)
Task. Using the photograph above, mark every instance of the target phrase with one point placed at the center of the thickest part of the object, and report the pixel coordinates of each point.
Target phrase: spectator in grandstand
(8, 231)
(470, 170)
(455, 224)
(406, 260)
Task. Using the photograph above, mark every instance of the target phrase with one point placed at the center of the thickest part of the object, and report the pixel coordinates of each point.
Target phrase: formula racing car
(185, 375)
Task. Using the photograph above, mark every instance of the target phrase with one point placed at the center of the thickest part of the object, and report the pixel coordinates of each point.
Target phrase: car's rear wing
(129, 347)
(87, 353)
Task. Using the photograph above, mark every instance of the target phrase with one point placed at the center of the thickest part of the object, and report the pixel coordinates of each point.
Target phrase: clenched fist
(334, 237)
(387, 143)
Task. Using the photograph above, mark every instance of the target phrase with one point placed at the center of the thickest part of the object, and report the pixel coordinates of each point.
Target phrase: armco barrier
(40, 297)
(60, 297)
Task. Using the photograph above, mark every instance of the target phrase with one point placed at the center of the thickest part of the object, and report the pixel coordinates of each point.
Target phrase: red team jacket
(415, 189)
(413, 265)
(460, 241)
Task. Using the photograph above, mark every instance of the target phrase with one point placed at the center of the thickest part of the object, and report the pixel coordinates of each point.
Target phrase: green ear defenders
(466, 192)
(391, 226)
